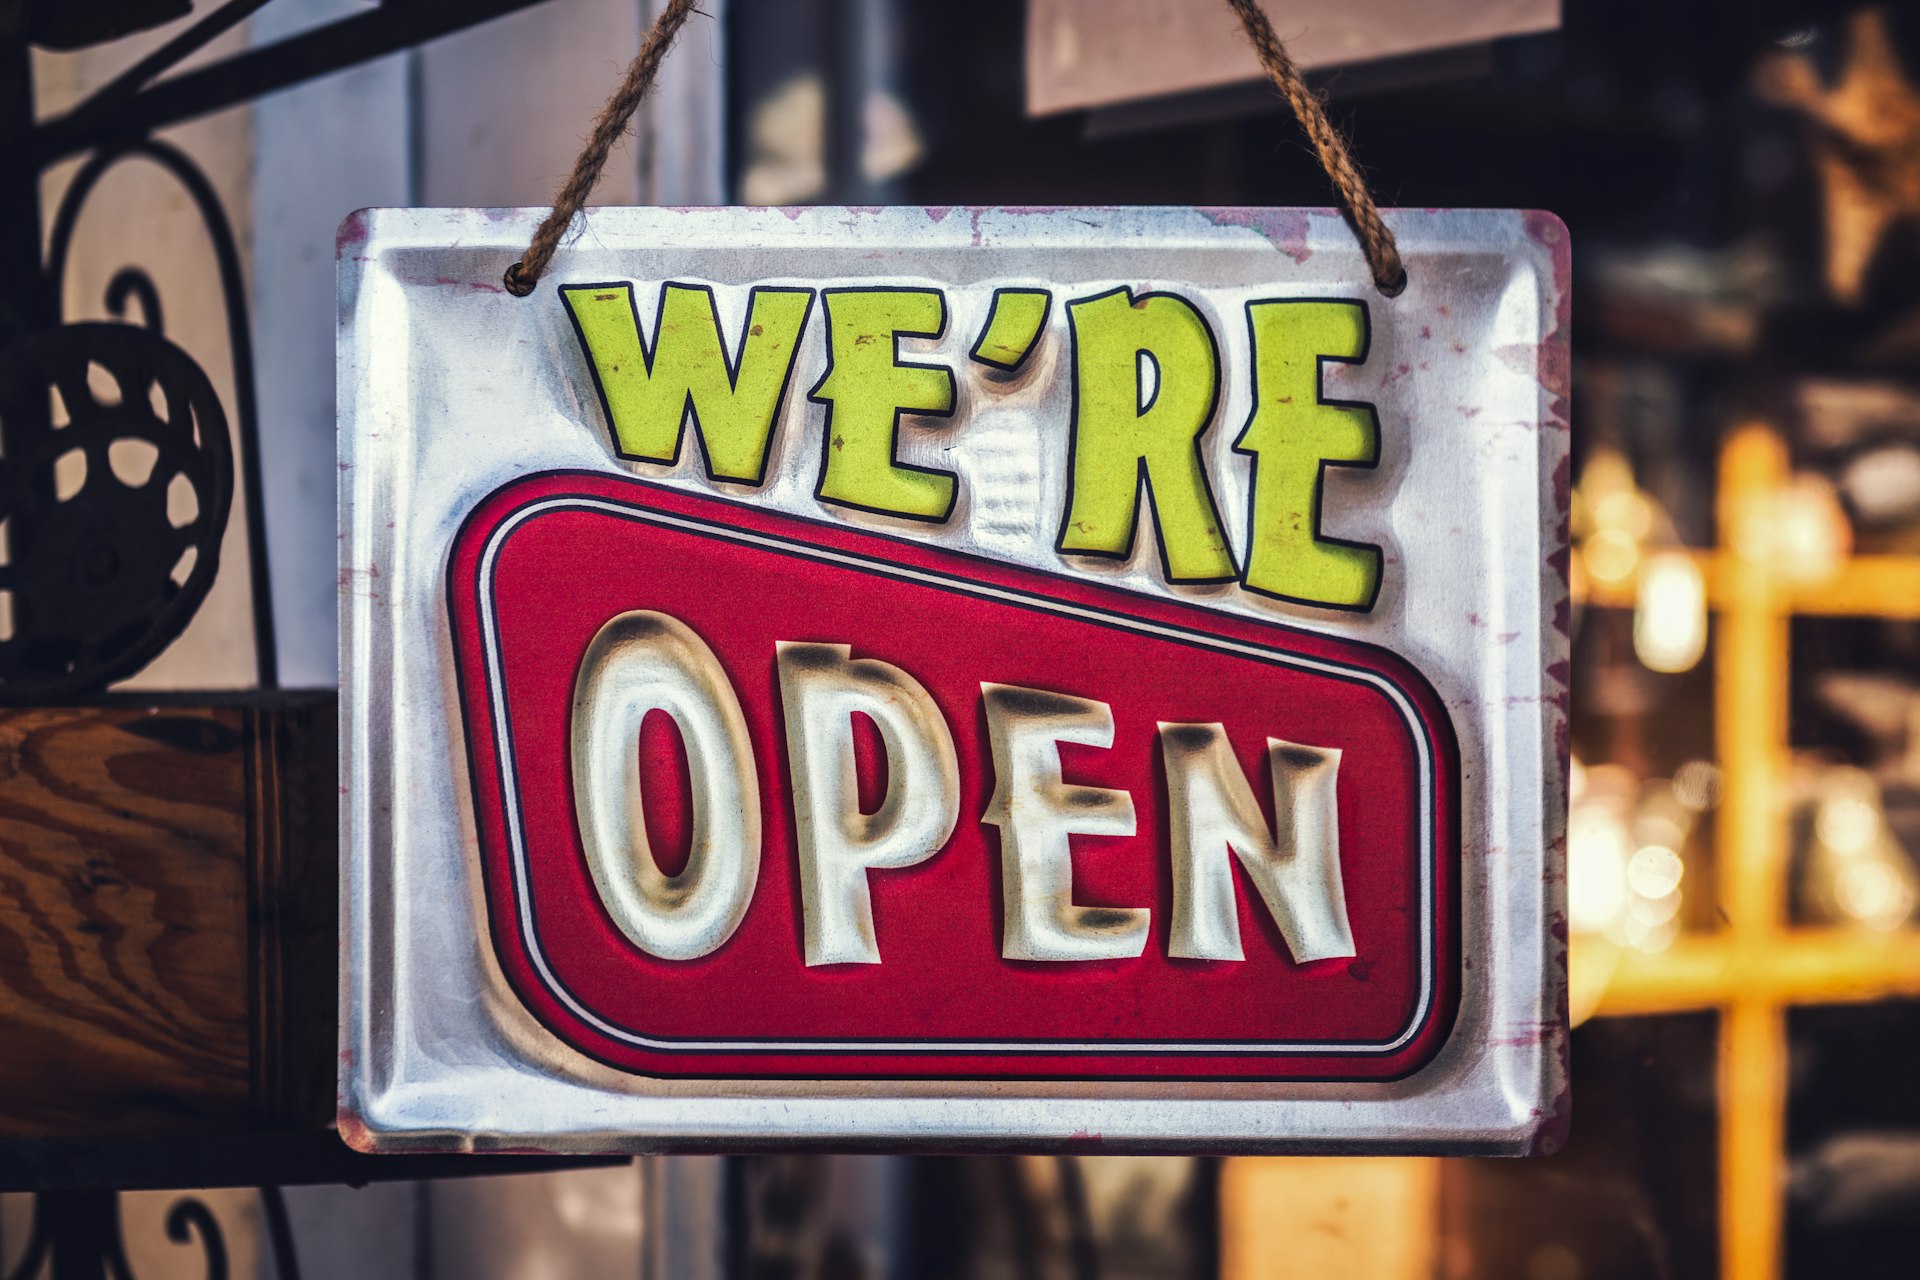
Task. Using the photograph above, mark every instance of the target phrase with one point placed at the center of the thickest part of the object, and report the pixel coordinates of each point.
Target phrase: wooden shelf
(1759, 967)
(1801, 966)
(1863, 586)
(167, 917)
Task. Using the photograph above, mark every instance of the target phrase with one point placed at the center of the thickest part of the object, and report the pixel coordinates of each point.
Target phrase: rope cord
(523, 275)
(1383, 255)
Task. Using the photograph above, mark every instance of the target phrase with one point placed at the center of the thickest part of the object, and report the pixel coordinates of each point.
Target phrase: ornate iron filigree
(77, 1235)
(95, 585)
(116, 492)
(119, 471)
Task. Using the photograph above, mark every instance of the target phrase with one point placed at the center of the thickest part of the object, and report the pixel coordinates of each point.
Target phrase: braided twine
(607, 128)
(1383, 255)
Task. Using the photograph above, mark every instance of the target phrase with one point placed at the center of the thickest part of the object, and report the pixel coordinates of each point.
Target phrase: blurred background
(1742, 183)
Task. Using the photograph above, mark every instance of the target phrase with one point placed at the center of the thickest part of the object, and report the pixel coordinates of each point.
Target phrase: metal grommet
(517, 284)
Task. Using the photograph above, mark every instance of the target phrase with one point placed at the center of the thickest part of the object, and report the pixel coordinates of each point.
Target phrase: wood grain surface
(157, 962)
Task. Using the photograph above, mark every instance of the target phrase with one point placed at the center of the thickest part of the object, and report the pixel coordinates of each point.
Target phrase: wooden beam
(1750, 850)
(166, 917)
(1860, 587)
(1801, 966)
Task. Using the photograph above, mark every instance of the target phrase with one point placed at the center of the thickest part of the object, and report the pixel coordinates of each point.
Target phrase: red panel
(555, 556)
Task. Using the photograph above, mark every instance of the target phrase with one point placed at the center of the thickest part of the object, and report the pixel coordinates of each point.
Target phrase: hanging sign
(1081, 677)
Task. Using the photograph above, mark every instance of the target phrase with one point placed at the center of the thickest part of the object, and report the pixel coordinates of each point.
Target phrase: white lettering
(822, 690)
(1036, 811)
(641, 662)
(1211, 809)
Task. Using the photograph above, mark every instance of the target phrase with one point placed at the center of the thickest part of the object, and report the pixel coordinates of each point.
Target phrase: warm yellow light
(1858, 870)
(1696, 785)
(1656, 910)
(1847, 824)
(1670, 614)
(1871, 892)
(1626, 511)
(1651, 937)
(1596, 889)
(1611, 556)
(1809, 531)
(1655, 871)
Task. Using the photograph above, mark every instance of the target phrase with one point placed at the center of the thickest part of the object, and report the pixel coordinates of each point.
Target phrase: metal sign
(953, 676)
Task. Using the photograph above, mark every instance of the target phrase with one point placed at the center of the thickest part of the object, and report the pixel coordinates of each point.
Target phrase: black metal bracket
(96, 583)
(125, 107)
(76, 1236)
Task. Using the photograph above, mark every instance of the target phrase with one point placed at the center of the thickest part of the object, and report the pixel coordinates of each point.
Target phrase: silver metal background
(449, 388)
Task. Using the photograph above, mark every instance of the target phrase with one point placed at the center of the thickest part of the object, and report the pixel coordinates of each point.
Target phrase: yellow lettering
(1293, 434)
(1013, 327)
(866, 389)
(1146, 376)
(649, 394)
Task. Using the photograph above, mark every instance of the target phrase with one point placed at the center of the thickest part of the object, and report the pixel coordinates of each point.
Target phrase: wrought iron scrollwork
(190, 1219)
(116, 492)
(273, 1205)
(100, 579)
(77, 1234)
(119, 471)
(116, 123)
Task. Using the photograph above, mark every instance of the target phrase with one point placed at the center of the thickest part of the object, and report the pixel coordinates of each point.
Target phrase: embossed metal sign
(953, 676)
